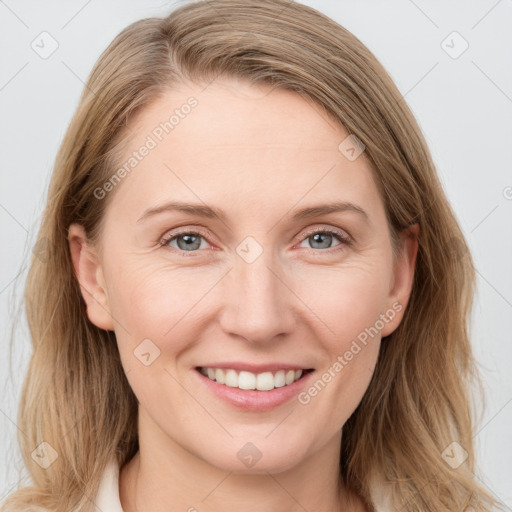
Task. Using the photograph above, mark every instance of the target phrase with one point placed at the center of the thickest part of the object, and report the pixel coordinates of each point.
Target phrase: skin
(258, 155)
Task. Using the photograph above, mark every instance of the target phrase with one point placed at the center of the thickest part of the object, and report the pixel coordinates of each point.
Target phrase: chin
(260, 456)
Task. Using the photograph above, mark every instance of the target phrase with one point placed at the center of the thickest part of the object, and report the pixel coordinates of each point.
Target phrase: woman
(194, 348)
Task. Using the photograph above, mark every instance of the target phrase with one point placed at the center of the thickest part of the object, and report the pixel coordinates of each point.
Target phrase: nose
(258, 303)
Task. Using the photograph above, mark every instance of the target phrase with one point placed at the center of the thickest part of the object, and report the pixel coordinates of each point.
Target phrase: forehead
(239, 144)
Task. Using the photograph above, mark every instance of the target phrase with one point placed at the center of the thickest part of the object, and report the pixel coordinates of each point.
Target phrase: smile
(265, 381)
(254, 391)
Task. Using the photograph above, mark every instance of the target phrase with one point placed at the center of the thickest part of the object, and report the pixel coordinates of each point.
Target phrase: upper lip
(255, 368)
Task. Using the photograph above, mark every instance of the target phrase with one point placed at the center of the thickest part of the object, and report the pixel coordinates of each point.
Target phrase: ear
(89, 273)
(403, 278)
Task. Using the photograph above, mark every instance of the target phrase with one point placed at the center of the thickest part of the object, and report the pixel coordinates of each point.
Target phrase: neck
(158, 477)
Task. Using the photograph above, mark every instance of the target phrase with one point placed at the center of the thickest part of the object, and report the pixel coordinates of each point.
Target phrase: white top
(107, 499)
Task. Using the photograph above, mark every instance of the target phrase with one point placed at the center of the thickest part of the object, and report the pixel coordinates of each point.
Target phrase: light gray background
(463, 105)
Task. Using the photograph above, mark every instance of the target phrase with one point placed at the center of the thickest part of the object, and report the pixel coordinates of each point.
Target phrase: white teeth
(246, 380)
(231, 379)
(219, 376)
(265, 381)
(290, 375)
(279, 380)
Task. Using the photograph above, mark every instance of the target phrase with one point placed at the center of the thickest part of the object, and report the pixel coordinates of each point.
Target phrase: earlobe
(403, 277)
(89, 274)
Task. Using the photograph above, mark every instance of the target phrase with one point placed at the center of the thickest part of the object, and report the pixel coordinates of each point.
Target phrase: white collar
(107, 498)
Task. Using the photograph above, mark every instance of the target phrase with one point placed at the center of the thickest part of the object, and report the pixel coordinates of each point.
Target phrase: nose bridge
(256, 305)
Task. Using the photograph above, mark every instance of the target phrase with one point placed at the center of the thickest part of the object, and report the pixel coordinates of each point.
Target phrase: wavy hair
(76, 396)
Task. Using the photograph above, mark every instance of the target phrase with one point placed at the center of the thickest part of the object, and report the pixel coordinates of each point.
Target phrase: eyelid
(341, 233)
(344, 237)
(167, 237)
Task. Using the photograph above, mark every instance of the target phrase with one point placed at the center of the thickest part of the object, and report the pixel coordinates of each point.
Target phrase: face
(250, 285)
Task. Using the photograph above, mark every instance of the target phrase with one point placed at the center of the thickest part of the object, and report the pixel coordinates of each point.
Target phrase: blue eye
(325, 237)
(191, 241)
(188, 241)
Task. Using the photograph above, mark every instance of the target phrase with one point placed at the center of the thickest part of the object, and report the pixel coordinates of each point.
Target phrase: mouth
(246, 380)
(250, 391)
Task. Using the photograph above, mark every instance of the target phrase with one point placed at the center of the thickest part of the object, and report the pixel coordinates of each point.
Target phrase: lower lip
(252, 399)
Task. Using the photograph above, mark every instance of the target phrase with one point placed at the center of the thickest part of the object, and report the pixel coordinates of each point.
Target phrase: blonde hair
(76, 396)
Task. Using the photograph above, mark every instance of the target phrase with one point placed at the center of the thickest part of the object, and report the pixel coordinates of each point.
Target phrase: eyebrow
(202, 210)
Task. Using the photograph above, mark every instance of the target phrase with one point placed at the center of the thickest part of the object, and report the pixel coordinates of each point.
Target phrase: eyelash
(343, 239)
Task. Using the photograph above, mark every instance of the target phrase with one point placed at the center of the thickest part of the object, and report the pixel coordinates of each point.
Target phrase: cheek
(156, 319)
(347, 300)
(157, 301)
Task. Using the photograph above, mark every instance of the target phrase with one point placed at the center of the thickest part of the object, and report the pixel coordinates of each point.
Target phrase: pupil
(321, 238)
(187, 242)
